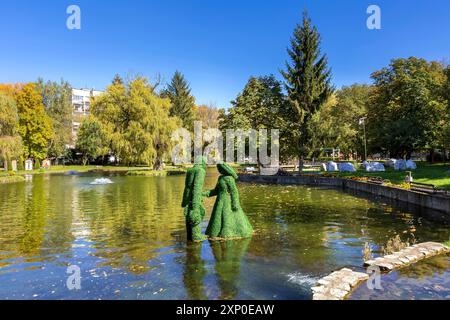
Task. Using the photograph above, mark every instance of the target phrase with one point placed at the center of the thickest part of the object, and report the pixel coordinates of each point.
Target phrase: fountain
(101, 181)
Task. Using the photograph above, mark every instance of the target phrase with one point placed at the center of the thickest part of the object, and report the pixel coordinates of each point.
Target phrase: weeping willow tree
(136, 122)
(10, 141)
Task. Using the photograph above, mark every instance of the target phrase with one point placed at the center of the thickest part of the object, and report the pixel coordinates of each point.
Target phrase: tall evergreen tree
(308, 84)
(182, 101)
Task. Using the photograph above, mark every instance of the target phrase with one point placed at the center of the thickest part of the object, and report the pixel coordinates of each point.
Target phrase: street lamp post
(362, 122)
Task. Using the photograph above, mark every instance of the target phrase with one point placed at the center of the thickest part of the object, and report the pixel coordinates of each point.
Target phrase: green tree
(91, 140)
(10, 141)
(337, 123)
(183, 103)
(136, 122)
(256, 107)
(308, 84)
(35, 127)
(407, 111)
(57, 99)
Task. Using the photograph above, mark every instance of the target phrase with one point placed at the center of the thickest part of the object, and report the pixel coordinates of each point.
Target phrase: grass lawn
(435, 174)
(5, 177)
(11, 179)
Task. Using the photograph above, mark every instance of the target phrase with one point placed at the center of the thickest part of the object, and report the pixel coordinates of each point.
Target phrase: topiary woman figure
(228, 220)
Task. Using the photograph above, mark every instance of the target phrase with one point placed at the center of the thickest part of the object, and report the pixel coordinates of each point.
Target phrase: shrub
(367, 252)
(20, 165)
(396, 244)
(37, 164)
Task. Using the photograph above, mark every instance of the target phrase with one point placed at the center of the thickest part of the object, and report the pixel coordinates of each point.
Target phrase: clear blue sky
(217, 44)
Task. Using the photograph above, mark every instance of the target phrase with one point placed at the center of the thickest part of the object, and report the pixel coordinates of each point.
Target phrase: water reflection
(429, 279)
(227, 257)
(129, 239)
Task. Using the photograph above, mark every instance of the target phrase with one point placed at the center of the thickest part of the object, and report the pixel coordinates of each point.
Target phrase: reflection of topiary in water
(228, 256)
(193, 201)
(228, 220)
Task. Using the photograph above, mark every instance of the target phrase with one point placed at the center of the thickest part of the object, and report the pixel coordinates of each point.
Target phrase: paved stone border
(408, 256)
(339, 284)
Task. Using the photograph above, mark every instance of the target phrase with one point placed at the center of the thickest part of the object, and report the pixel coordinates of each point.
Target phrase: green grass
(136, 171)
(11, 179)
(63, 169)
(153, 173)
(435, 174)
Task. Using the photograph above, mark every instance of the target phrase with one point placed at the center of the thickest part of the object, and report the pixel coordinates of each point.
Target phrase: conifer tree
(308, 85)
(182, 102)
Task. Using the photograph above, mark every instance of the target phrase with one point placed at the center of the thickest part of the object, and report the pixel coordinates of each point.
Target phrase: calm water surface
(128, 239)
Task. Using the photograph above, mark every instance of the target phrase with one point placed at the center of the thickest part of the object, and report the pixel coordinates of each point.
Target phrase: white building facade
(81, 101)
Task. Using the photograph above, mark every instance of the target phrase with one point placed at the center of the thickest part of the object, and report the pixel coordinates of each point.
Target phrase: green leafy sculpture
(228, 220)
(193, 200)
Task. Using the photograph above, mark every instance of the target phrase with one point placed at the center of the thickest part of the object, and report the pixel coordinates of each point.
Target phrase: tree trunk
(432, 156)
(158, 164)
(301, 163)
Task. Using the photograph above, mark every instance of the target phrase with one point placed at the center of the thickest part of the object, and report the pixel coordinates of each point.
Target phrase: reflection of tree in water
(131, 221)
(228, 255)
(194, 272)
(324, 227)
(37, 218)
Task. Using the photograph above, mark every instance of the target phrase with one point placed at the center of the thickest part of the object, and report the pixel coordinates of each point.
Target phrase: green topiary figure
(193, 200)
(228, 220)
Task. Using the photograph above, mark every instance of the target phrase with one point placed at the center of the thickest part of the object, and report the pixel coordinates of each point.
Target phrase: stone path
(408, 256)
(339, 284)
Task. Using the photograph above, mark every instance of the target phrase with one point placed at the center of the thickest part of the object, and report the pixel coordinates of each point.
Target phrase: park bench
(376, 180)
(423, 187)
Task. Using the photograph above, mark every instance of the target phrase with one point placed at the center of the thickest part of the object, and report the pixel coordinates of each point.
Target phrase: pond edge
(430, 201)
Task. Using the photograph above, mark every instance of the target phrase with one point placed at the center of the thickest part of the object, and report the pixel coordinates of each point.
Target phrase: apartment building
(81, 101)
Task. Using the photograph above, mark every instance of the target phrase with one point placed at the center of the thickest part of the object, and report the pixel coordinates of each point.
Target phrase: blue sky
(217, 44)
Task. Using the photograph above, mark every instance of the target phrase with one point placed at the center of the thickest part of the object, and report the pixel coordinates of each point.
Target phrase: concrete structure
(81, 101)
(28, 165)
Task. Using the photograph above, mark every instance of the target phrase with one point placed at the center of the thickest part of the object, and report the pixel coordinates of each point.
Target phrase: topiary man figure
(193, 200)
(228, 220)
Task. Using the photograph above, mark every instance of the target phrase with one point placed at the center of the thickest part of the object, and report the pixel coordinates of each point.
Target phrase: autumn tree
(35, 126)
(208, 115)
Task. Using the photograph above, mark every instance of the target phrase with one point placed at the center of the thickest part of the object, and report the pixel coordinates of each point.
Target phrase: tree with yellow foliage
(35, 127)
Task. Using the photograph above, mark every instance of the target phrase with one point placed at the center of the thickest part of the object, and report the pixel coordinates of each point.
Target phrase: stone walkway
(408, 256)
(339, 284)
